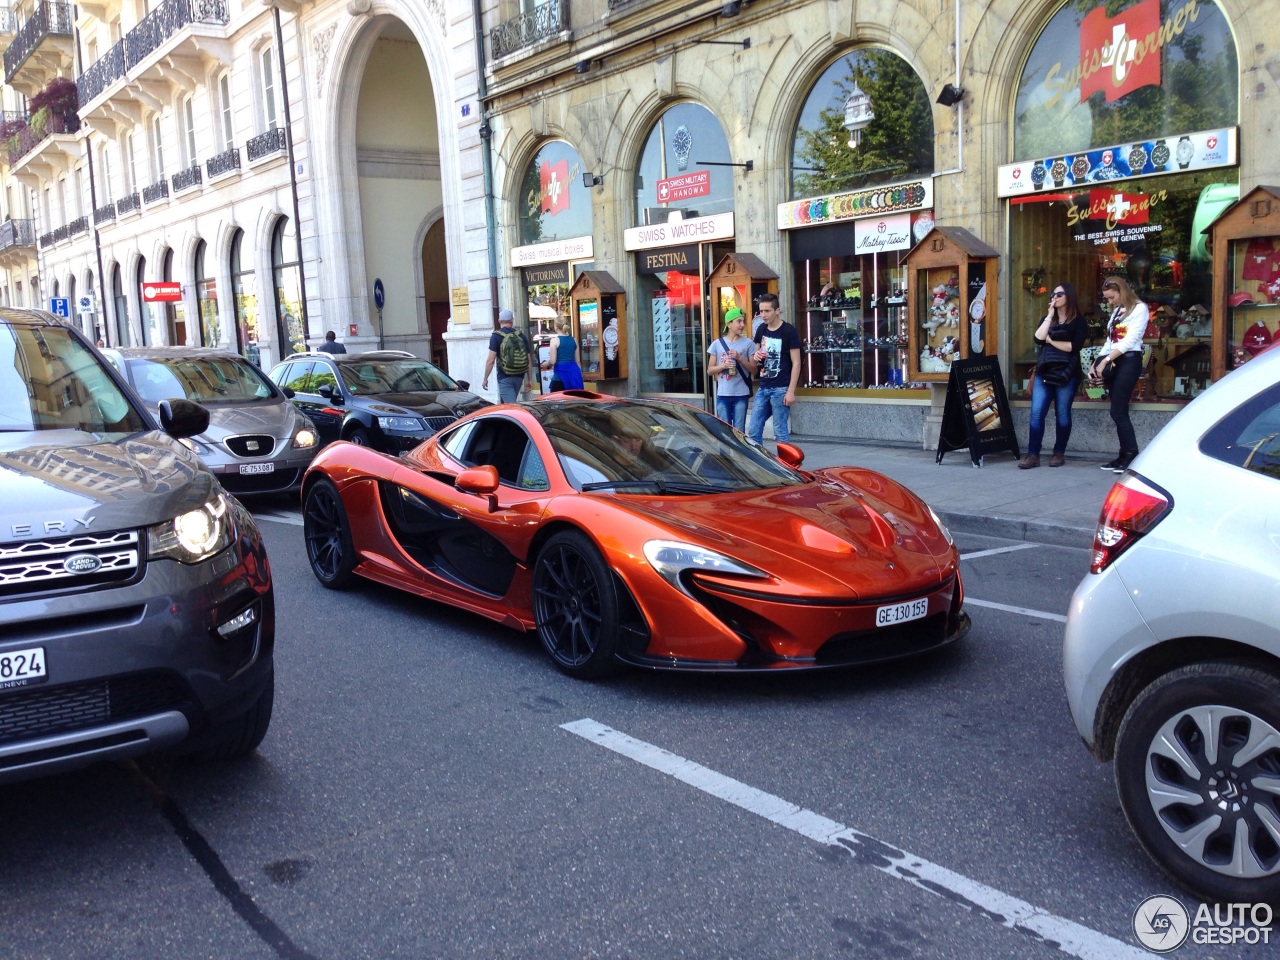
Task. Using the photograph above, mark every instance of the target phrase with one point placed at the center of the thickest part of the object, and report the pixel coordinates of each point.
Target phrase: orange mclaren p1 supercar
(643, 532)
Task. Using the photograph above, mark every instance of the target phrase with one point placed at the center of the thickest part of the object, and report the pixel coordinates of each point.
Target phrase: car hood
(276, 418)
(850, 527)
(455, 403)
(66, 481)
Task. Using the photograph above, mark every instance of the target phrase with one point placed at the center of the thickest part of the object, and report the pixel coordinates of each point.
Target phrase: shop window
(553, 203)
(685, 166)
(244, 291)
(287, 280)
(206, 299)
(175, 311)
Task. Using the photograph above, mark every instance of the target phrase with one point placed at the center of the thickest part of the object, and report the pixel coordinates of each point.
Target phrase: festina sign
(163, 291)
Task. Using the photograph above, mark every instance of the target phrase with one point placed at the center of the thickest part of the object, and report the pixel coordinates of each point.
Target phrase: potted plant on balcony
(55, 108)
(11, 134)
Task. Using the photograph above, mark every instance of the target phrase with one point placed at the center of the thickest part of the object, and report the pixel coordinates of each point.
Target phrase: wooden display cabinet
(598, 305)
(737, 280)
(951, 302)
(1245, 243)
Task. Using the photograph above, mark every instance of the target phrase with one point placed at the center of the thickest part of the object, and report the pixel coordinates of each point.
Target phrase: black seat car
(383, 399)
(135, 594)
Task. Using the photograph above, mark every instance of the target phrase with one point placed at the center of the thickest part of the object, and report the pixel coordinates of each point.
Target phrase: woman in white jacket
(1123, 354)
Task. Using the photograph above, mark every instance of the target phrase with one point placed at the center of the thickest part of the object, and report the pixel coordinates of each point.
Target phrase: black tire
(241, 735)
(328, 535)
(359, 436)
(1223, 784)
(575, 606)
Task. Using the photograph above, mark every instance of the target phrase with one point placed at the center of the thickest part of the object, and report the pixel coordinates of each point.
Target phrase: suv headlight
(401, 423)
(193, 536)
(671, 559)
(304, 439)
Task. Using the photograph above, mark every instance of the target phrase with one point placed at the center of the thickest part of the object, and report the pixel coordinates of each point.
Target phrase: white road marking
(1069, 937)
(1026, 611)
(992, 552)
(280, 518)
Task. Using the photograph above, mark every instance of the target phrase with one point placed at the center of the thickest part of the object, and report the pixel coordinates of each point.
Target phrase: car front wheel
(575, 606)
(1197, 766)
(328, 535)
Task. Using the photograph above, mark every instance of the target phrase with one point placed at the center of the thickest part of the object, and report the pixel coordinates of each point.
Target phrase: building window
(206, 300)
(188, 123)
(157, 151)
(267, 72)
(104, 167)
(244, 289)
(131, 164)
(225, 127)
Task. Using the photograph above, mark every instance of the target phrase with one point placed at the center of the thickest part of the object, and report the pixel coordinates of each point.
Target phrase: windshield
(202, 379)
(372, 377)
(657, 448)
(49, 380)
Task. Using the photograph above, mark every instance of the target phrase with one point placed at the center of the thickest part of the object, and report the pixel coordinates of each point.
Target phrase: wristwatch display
(1160, 155)
(1037, 175)
(1185, 152)
(682, 143)
(1137, 158)
(1058, 171)
(1079, 168)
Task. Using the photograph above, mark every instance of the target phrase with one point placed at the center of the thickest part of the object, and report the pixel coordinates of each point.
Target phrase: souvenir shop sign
(976, 414)
(575, 248)
(876, 202)
(1113, 216)
(1204, 150)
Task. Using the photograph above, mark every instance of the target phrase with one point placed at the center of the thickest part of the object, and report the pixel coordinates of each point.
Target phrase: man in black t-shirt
(778, 356)
(510, 382)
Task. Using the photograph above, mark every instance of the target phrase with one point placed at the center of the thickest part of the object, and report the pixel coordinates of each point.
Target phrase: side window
(533, 472)
(455, 443)
(500, 443)
(295, 375)
(322, 375)
(1249, 436)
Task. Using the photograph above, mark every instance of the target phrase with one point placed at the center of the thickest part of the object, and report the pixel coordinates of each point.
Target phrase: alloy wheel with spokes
(575, 606)
(328, 535)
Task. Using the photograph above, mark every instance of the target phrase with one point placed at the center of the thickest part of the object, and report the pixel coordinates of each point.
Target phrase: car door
(454, 534)
(300, 376)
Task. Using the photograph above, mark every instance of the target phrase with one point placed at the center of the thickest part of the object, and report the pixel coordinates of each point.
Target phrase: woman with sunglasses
(1061, 335)
(1122, 353)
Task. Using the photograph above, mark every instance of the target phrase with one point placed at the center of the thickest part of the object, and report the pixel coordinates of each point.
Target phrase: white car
(1172, 649)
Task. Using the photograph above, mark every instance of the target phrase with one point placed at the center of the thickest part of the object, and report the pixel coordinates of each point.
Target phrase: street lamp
(857, 114)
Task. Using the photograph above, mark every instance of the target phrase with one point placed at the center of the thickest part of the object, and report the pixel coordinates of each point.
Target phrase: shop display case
(738, 280)
(1245, 241)
(599, 311)
(852, 341)
(951, 308)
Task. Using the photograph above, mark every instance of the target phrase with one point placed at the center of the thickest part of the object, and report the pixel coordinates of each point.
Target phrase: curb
(1012, 528)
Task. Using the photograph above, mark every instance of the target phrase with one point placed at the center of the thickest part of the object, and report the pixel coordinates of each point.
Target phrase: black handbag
(1054, 371)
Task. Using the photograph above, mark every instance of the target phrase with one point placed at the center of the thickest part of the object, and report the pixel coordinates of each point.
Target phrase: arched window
(286, 277)
(175, 313)
(244, 290)
(684, 166)
(206, 300)
(145, 310)
(121, 308)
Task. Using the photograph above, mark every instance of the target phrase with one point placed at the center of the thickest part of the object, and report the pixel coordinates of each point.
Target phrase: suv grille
(67, 563)
(251, 445)
(49, 711)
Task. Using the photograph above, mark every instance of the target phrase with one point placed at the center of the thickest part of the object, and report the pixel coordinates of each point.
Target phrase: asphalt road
(431, 787)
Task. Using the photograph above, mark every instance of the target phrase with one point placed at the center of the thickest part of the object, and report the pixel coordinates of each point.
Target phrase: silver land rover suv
(136, 606)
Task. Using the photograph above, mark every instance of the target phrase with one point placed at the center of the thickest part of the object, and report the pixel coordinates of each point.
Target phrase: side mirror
(482, 481)
(463, 384)
(330, 394)
(790, 454)
(183, 418)
(289, 392)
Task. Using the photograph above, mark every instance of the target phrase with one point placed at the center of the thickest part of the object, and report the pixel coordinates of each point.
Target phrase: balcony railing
(167, 19)
(105, 71)
(8, 20)
(78, 226)
(104, 214)
(265, 144)
(17, 233)
(128, 204)
(57, 235)
(47, 19)
(189, 177)
(545, 20)
(156, 191)
(29, 137)
(224, 162)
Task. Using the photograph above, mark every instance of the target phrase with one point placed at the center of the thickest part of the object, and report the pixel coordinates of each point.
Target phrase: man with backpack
(509, 349)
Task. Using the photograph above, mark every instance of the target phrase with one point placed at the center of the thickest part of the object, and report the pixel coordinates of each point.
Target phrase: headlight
(304, 438)
(195, 446)
(400, 423)
(193, 536)
(942, 526)
(671, 558)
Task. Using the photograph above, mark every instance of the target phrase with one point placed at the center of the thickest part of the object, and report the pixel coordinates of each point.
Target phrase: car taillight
(1132, 508)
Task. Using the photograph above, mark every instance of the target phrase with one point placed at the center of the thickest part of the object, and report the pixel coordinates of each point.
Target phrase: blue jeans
(733, 410)
(1041, 396)
(769, 403)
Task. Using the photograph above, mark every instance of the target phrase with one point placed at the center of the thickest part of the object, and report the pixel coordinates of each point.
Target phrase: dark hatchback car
(135, 594)
(386, 399)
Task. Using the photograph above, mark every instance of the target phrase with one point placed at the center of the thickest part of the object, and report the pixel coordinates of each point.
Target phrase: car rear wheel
(575, 606)
(328, 535)
(1198, 772)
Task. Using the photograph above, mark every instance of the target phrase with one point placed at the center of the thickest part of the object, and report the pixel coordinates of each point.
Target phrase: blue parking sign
(60, 307)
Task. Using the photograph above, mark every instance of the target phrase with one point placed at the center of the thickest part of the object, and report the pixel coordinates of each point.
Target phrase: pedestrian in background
(732, 363)
(1057, 375)
(331, 344)
(778, 359)
(564, 358)
(1119, 363)
(509, 350)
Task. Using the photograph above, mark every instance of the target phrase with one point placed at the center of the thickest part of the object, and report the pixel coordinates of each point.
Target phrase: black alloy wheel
(1197, 765)
(575, 606)
(328, 535)
(359, 436)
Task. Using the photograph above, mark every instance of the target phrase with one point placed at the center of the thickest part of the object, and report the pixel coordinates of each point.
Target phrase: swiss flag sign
(1118, 45)
(555, 186)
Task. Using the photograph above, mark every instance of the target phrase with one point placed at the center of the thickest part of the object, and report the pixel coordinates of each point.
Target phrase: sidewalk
(1047, 505)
